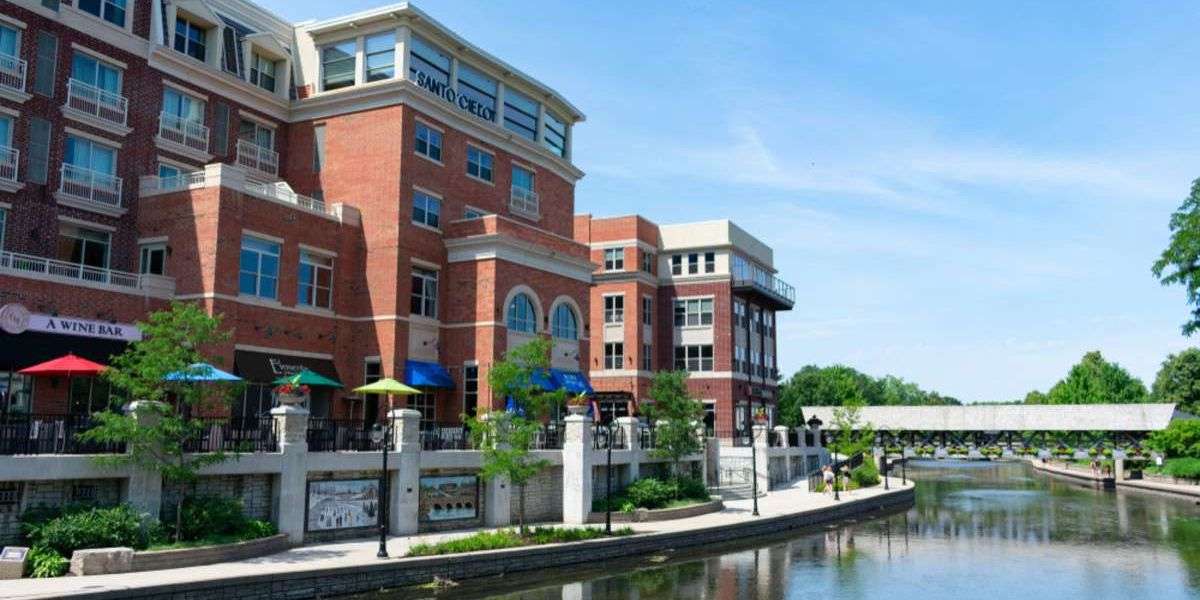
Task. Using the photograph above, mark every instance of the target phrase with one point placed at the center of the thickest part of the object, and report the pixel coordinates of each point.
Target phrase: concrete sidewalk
(786, 501)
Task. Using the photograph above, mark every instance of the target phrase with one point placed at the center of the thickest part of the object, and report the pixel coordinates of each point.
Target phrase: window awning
(426, 374)
(572, 381)
(264, 368)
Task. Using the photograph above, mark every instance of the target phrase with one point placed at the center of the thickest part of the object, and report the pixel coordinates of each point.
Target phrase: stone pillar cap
(289, 409)
(404, 413)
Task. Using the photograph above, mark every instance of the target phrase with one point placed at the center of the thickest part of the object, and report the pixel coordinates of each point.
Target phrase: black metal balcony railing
(254, 434)
(336, 435)
(445, 436)
(49, 434)
(793, 438)
(647, 437)
(768, 285)
(603, 437)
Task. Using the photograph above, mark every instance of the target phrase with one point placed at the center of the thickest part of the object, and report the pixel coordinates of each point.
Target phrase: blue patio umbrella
(201, 373)
(512, 407)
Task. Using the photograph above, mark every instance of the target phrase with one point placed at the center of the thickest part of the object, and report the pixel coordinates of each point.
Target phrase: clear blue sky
(966, 196)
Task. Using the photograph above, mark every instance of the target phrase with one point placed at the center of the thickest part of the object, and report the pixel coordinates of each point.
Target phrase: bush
(93, 528)
(211, 516)
(652, 493)
(1182, 468)
(254, 529)
(866, 474)
(1181, 439)
(508, 538)
(45, 562)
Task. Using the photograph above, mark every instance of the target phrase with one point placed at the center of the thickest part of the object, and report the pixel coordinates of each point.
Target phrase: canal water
(977, 530)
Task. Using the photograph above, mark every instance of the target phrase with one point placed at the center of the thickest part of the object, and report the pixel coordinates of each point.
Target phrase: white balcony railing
(153, 184)
(9, 159)
(253, 156)
(90, 186)
(155, 285)
(12, 73)
(283, 193)
(182, 131)
(93, 101)
(524, 201)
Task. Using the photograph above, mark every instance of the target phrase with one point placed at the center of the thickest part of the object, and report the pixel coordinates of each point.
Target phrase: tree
(159, 430)
(1036, 397)
(851, 434)
(506, 436)
(675, 414)
(1096, 381)
(839, 385)
(1180, 261)
(1181, 439)
(1178, 381)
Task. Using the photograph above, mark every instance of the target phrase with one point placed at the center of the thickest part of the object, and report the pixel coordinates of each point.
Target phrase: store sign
(449, 94)
(283, 369)
(15, 320)
(449, 497)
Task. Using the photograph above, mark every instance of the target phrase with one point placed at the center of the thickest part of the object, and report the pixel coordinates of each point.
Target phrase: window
(87, 395)
(647, 310)
(429, 60)
(112, 11)
(614, 355)
(693, 263)
(39, 150)
(233, 34)
(694, 358)
(676, 264)
(739, 360)
(768, 322)
(16, 391)
(424, 293)
(380, 56)
(647, 263)
(614, 259)
(739, 313)
(647, 357)
(259, 268)
(152, 259)
(521, 315)
(337, 65)
(710, 262)
(96, 73)
(478, 87)
(92, 156)
(470, 389)
(315, 280)
(769, 362)
(479, 163)
(45, 64)
(429, 142)
(189, 39)
(182, 106)
(262, 72)
(318, 148)
(520, 114)
(693, 312)
(6, 131)
(427, 210)
(256, 133)
(757, 319)
(523, 197)
(564, 324)
(614, 309)
(426, 404)
(554, 134)
(9, 43)
(82, 246)
(3, 224)
(473, 213)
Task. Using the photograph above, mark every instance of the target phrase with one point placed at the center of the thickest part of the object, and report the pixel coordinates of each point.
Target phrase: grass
(215, 540)
(510, 538)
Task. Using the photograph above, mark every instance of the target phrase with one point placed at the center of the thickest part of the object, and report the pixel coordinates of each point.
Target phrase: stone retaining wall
(207, 555)
(663, 514)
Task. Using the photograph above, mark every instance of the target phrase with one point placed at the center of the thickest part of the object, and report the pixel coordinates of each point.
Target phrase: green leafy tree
(1179, 263)
(159, 430)
(675, 414)
(506, 436)
(851, 434)
(839, 385)
(1036, 397)
(1096, 381)
(1181, 439)
(1178, 381)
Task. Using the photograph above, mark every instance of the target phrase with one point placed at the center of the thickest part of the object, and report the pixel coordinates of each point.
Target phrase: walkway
(788, 501)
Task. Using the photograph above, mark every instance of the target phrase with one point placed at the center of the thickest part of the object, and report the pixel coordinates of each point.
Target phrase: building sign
(449, 497)
(15, 320)
(283, 369)
(342, 504)
(449, 94)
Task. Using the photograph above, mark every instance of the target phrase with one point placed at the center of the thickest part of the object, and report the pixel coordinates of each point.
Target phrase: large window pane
(426, 58)
(520, 114)
(337, 65)
(478, 87)
(381, 56)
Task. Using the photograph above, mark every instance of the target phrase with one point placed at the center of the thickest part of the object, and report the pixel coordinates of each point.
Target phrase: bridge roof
(1013, 417)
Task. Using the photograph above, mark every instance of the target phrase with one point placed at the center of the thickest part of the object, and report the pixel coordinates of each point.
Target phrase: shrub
(1183, 468)
(866, 474)
(45, 562)
(209, 516)
(92, 528)
(508, 538)
(652, 493)
(254, 529)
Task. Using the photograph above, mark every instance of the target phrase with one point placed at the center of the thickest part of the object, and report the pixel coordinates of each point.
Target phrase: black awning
(31, 348)
(262, 367)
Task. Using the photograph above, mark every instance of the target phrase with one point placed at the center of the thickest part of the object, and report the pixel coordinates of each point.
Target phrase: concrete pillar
(762, 462)
(700, 435)
(143, 490)
(577, 469)
(1118, 469)
(782, 433)
(291, 483)
(497, 497)
(629, 427)
(404, 491)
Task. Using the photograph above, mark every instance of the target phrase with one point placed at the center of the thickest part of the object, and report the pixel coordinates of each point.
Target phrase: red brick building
(365, 196)
(700, 297)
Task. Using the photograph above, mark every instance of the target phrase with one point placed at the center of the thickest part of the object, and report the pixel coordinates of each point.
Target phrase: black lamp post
(754, 471)
(381, 434)
(885, 470)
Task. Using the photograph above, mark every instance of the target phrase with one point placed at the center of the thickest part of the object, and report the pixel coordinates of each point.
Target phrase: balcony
(525, 202)
(255, 157)
(776, 293)
(12, 77)
(281, 192)
(90, 190)
(36, 267)
(9, 159)
(97, 107)
(190, 136)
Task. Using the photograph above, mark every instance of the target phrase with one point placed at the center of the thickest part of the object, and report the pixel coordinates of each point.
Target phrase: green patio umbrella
(309, 378)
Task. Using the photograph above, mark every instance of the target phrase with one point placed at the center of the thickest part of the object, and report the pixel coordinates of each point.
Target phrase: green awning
(309, 378)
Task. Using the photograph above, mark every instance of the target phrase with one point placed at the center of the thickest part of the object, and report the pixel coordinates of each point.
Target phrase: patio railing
(445, 436)
(337, 435)
(49, 434)
(256, 434)
(603, 437)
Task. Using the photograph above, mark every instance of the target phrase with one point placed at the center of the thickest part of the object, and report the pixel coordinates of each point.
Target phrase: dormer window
(233, 35)
(112, 11)
(337, 65)
(190, 39)
(262, 72)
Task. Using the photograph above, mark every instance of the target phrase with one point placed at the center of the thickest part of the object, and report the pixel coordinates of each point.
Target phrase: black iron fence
(647, 437)
(793, 438)
(550, 437)
(445, 436)
(603, 437)
(335, 435)
(773, 438)
(50, 434)
(254, 434)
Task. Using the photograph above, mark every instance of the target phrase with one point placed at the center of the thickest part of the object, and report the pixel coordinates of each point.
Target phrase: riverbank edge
(1186, 491)
(400, 573)
(1106, 482)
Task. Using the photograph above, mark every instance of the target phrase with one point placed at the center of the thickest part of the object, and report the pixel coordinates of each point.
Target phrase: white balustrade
(102, 104)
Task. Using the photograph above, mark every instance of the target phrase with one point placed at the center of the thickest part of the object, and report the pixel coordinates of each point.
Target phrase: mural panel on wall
(449, 497)
(343, 504)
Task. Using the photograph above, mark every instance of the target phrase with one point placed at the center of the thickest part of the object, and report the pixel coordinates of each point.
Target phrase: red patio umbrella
(65, 366)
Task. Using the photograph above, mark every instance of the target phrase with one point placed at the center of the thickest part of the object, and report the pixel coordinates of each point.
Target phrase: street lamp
(754, 472)
(380, 434)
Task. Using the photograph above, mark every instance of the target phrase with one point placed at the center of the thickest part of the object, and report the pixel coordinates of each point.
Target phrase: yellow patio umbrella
(388, 386)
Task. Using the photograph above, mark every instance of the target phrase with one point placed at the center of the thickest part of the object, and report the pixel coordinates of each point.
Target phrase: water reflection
(977, 530)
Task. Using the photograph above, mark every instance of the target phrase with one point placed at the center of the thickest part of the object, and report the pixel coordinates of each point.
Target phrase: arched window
(563, 323)
(521, 315)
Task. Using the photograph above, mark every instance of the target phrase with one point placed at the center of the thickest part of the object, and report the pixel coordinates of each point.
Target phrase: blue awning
(425, 374)
(572, 381)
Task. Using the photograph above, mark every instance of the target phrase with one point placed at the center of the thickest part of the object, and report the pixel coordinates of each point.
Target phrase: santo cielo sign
(449, 94)
(15, 319)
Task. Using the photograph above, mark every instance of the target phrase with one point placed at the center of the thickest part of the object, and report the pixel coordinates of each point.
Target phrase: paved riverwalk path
(785, 502)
